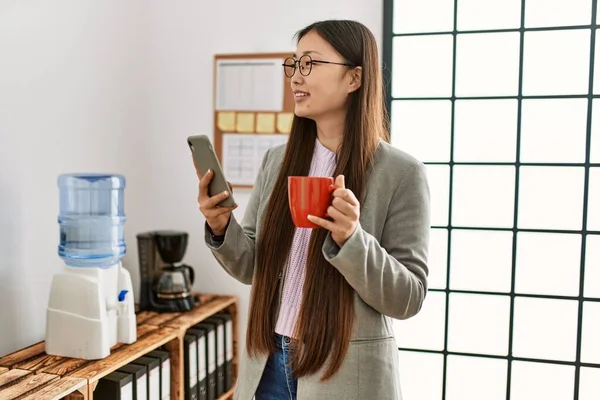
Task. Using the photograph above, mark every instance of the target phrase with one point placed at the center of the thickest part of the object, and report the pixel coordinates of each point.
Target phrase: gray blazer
(385, 261)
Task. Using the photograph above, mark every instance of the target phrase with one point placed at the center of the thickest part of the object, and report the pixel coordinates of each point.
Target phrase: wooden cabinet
(30, 373)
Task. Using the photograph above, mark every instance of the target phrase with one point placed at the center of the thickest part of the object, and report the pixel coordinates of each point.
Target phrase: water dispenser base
(90, 310)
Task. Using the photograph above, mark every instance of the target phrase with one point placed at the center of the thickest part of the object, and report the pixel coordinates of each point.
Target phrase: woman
(319, 321)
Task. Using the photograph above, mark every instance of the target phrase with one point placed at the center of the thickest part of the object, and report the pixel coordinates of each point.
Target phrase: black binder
(203, 387)
(228, 322)
(220, 338)
(165, 372)
(211, 358)
(190, 370)
(139, 379)
(153, 375)
(114, 386)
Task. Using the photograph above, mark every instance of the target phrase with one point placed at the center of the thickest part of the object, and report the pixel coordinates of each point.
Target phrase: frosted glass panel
(487, 64)
(475, 378)
(488, 14)
(422, 128)
(438, 256)
(590, 345)
(551, 197)
(545, 329)
(593, 222)
(481, 261)
(485, 130)
(592, 267)
(595, 143)
(426, 329)
(554, 131)
(545, 13)
(418, 16)
(438, 177)
(556, 62)
(478, 324)
(531, 381)
(548, 263)
(589, 383)
(483, 196)
(422, 66)
(421, 375)
(595, 148)
(597, 65)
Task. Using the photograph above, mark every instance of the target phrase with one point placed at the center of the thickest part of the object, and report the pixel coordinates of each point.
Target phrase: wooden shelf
(26, 385)
(31, 372)
(59, 389)
(180, 322)
(34, 357)
(12, 376)
(209, 305)
(123, 356)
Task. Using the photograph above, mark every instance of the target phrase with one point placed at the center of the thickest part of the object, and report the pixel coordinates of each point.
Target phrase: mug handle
(331, 190)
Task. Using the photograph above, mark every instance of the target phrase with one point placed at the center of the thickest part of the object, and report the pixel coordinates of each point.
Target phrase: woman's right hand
(217, 217)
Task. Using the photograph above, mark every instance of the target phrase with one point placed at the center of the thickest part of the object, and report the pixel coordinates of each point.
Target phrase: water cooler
(91, 305)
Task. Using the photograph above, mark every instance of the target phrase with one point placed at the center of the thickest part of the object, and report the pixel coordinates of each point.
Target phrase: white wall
(118, 86)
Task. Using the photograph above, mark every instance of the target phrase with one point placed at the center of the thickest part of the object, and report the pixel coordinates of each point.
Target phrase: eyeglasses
(305, 64)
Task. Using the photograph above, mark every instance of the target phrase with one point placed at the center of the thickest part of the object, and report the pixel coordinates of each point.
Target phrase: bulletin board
(253, 111)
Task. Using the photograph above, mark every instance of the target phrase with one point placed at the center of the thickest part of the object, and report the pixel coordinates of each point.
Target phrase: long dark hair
(326, 319)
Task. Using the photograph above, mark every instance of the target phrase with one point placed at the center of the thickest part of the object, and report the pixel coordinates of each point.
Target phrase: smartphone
(205, 158)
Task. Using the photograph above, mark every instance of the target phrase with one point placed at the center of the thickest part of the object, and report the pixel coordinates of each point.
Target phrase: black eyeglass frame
(291, 62)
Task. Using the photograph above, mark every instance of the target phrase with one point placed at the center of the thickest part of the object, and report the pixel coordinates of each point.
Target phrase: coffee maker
(166, 283)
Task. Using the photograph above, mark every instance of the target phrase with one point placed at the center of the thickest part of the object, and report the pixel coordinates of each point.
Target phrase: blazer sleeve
(391, 275)
(235, 252)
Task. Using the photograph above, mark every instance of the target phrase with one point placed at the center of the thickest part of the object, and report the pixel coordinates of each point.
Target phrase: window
(501, 100)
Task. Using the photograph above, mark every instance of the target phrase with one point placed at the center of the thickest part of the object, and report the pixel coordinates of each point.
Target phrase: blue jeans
(277, 382)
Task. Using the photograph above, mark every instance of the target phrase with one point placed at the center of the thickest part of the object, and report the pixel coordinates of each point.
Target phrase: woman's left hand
(344, 212)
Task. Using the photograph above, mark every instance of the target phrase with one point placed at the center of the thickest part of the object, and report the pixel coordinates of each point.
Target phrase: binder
(190, 369)
(220, 338)
(228, 322)
(153, 374)
(211, 358)
(115, 386)
(203, 393)
(139, 380)
(165, 372)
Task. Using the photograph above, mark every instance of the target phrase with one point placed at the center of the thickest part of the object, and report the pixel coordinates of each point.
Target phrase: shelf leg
(175, 349)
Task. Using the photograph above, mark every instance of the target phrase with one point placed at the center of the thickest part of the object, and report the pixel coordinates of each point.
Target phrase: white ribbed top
(323, 164)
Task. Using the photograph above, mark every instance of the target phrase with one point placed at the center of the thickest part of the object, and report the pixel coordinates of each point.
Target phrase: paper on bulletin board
(265, 123)
(250, 85)
(226, 121)
(243, 155)
(245, 123)
(284, 122)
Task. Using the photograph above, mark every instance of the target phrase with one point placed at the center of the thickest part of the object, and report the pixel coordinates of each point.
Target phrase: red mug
(309, 195)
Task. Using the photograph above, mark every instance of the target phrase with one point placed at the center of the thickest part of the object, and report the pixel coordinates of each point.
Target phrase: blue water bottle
(91, 219)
